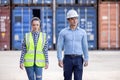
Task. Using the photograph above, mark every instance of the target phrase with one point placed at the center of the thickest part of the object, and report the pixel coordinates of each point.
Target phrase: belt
(73, 55)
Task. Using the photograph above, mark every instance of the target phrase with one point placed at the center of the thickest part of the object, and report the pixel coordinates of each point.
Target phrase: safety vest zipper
(35, 56)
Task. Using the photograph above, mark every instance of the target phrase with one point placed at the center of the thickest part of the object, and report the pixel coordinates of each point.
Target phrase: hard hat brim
(72, 17)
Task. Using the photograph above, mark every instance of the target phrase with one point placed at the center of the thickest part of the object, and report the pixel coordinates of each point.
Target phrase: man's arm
(85, 49)
(60, 43)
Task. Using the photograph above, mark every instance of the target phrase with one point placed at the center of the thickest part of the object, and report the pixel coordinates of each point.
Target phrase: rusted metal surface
(109, 26)
(5, 28)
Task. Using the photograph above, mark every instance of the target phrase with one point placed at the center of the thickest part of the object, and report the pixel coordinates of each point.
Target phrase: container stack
(87, 10)
(22, 13)
(4, 25)
(100, 19)
(109, 24)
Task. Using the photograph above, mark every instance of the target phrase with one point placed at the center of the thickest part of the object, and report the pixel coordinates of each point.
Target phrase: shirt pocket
(78, 37)
(69, 37)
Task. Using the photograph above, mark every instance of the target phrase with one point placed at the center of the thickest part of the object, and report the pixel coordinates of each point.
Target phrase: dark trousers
(73, 64)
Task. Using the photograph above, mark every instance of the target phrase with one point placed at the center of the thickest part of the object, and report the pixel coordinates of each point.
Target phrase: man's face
(73, 21)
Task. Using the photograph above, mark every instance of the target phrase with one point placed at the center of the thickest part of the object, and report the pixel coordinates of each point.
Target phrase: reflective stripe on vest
(30, 55)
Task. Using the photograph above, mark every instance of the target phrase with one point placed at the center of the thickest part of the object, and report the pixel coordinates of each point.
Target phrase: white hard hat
(72, 13)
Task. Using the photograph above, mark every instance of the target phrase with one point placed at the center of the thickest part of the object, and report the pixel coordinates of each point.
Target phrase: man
(73, 40)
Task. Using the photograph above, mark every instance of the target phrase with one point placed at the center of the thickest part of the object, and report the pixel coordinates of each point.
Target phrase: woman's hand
(21, 66)
(46, 66)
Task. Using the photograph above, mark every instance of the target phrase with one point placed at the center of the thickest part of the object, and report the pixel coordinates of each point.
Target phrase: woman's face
(35, 25)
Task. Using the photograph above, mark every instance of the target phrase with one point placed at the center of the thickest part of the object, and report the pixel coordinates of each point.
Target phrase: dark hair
(35, 19)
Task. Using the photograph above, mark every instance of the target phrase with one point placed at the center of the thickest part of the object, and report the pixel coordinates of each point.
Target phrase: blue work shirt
(72, 42)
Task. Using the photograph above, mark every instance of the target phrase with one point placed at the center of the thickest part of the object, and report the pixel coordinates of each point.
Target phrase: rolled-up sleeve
(45, 51)
(23, 52)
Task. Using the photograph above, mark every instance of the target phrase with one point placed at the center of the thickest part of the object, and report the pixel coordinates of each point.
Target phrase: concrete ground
(103, 65)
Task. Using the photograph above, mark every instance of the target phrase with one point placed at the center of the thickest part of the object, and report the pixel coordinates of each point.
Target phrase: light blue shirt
(72, 42)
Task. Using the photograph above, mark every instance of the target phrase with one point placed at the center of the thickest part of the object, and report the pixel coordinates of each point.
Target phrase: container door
(88, 22)
(20, 25)
(47, 24)
(5, 28)
(108, 26)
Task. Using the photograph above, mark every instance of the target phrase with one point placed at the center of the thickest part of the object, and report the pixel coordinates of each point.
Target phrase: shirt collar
(35, 32)
(75, 29)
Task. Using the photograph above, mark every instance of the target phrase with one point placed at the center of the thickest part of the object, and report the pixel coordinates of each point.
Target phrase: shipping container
(32, 1)
(21, 23)
(76, 1)
(5, 28)
(109, 26)
(4, 2)
(87, 21)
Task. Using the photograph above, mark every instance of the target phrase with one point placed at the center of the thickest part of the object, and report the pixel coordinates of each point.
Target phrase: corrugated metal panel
(32, 1)
(21, 23)
(76, 1)
(47, 23)
(108, 26)
(5, 28)
(22, 1)
(65, 1)
(87, 21)
(87, 1)
(4, 2)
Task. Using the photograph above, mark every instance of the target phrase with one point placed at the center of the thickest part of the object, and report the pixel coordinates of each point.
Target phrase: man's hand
(85, 63)
(60, 64)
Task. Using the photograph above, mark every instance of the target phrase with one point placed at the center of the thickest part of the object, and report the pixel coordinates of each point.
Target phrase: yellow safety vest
(31, 57)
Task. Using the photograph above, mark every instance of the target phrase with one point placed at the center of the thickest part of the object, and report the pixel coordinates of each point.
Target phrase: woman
(34, 55)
